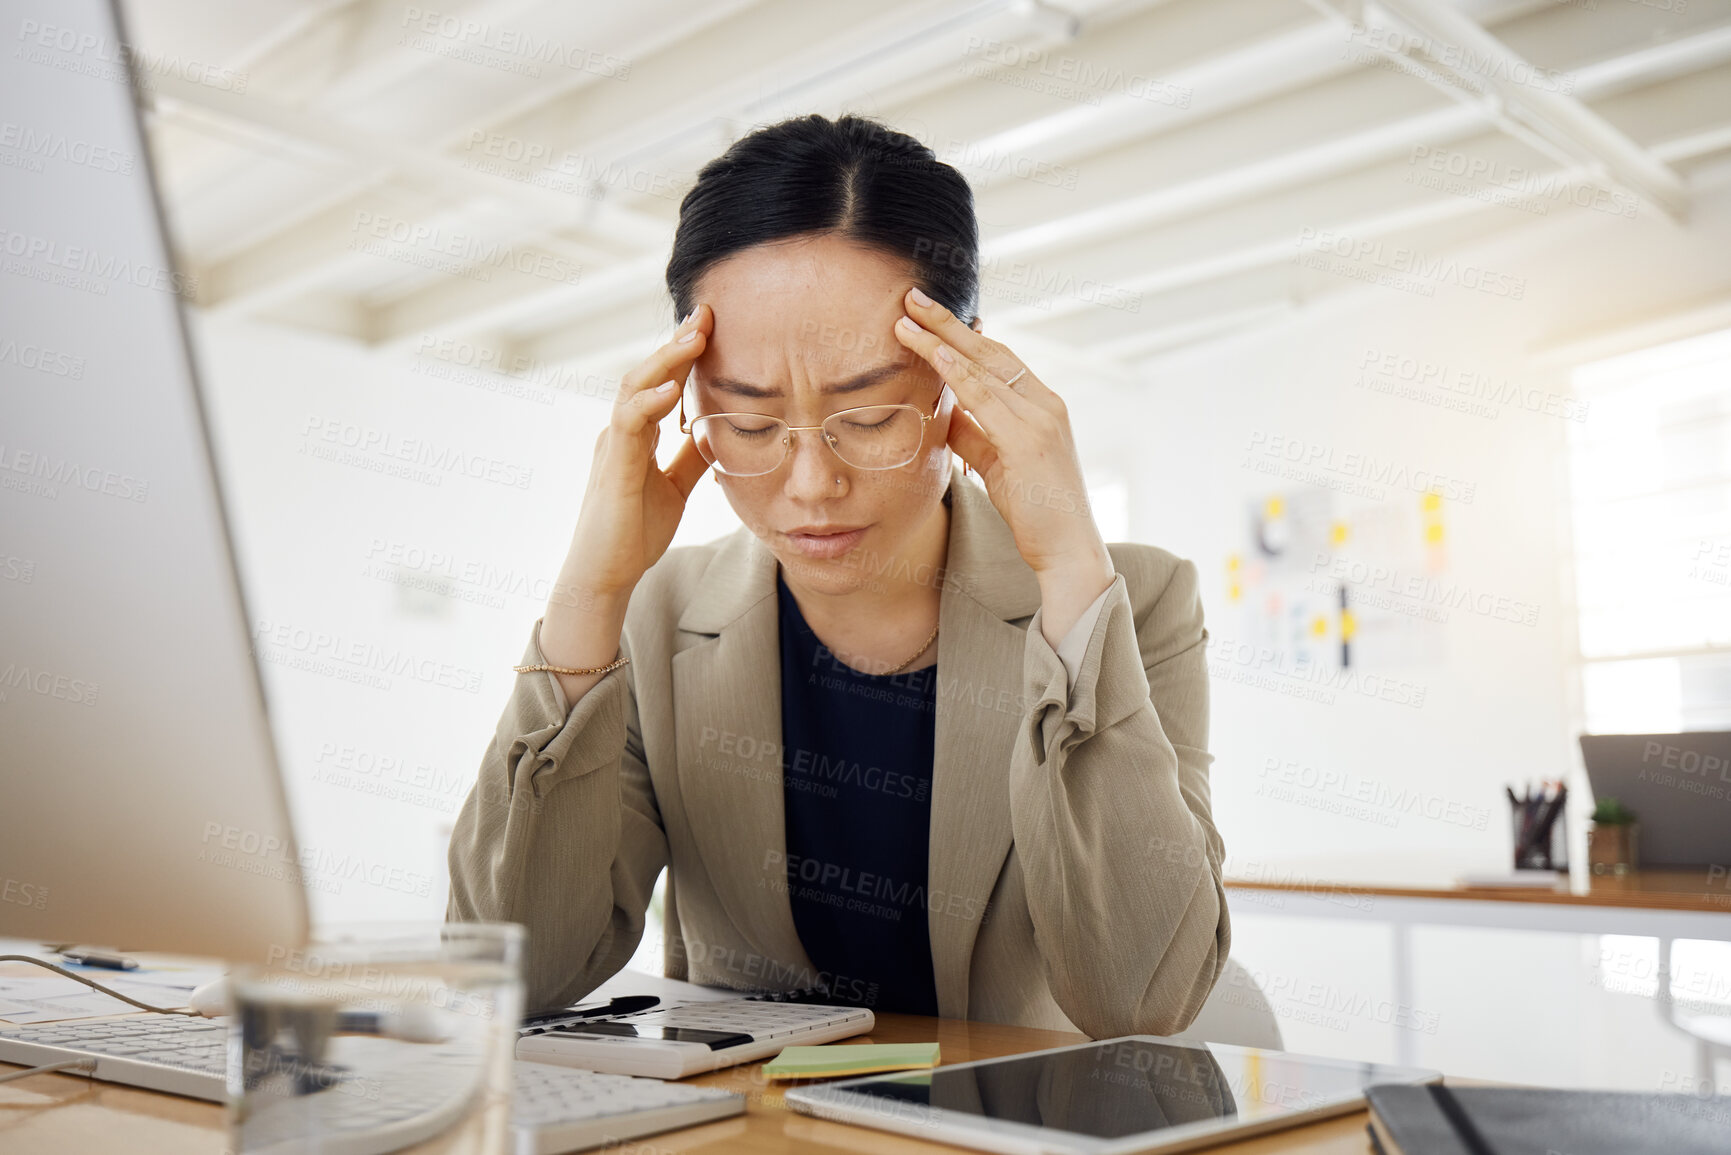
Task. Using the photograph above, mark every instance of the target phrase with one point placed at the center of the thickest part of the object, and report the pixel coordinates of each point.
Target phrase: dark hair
(852, 177)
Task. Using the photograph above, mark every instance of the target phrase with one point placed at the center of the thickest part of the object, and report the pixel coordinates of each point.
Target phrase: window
(1651, 484)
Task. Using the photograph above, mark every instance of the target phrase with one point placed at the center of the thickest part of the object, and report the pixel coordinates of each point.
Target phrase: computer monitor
(140, 801)
(1678, 785)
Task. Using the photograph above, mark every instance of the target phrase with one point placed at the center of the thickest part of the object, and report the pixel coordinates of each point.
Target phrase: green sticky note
(850, 1059)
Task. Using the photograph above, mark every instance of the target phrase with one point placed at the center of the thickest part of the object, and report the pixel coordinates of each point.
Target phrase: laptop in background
(1678, 785)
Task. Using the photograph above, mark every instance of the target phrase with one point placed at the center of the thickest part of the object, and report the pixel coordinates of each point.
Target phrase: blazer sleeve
(1109, 804)
(561, 832)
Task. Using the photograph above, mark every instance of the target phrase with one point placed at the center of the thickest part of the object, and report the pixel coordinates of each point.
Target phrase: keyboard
(555, 1108)
(680, 1039)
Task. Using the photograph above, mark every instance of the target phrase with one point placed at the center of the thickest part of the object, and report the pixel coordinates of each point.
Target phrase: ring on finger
(1017, 377)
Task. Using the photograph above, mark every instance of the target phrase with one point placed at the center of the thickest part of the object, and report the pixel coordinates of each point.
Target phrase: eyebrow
(853, 384)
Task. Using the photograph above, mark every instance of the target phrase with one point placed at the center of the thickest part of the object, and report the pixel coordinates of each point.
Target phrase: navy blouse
(857, 792)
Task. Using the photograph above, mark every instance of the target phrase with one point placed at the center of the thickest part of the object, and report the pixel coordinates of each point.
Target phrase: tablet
(1136, 1093)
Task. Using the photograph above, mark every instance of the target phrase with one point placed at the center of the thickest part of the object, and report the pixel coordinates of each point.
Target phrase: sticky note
(850, 1059)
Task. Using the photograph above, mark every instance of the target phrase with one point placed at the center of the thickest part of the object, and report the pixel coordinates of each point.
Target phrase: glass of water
(376, 1038)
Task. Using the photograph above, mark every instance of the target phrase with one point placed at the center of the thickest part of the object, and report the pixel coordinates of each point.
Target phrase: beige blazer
(1074, 877)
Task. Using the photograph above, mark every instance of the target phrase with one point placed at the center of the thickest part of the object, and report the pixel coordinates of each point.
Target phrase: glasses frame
(828, 439)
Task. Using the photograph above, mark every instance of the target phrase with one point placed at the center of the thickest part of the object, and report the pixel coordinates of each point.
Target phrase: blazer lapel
(988, 589)
(727, 711)
(727, 727)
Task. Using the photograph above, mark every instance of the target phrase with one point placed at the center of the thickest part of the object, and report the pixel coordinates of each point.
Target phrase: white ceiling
(1144, 168)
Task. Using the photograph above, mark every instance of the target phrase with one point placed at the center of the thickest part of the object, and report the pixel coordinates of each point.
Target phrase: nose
(812, 467)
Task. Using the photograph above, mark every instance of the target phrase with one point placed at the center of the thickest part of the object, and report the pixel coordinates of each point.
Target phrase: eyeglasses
(867, 437)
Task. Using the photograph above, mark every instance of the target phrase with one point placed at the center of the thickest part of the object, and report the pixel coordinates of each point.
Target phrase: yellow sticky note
(850, 1059)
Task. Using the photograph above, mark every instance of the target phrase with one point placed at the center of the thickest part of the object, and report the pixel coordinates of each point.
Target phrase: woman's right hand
(630, 510)
(631, 506)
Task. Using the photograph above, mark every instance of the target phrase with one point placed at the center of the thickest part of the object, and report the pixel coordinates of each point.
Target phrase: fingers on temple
(976, 346)
(639, 401)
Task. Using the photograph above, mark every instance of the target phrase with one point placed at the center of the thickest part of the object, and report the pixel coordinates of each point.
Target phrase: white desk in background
(1666, 904)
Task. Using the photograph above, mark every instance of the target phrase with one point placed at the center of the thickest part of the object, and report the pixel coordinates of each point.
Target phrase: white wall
(1494, 706)
(357, 566)
(1498, 705)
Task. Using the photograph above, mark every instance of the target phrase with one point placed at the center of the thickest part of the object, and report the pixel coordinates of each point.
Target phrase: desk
(68, 1115)
(1665, 904)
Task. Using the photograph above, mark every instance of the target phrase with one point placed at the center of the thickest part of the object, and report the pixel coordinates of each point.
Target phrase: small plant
(1610, 812)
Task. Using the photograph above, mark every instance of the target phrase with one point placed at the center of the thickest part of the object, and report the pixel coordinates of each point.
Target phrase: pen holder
(1540, 844)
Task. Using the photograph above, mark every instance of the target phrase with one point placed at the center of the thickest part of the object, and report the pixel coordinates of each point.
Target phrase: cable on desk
(80, 1066)
(94, 985)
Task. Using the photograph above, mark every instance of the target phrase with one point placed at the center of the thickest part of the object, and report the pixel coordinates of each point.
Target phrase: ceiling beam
(1382, 224)
(1233, 80)
(1457, 56)
(315, 260)
(324, 244)
(1284, 171)
(1238, 71)
(244, 282)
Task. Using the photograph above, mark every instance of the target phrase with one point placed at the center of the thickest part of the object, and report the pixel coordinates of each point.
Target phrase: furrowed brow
(854, 384)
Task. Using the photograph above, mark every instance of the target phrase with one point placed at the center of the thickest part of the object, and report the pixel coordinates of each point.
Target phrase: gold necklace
(917, 653)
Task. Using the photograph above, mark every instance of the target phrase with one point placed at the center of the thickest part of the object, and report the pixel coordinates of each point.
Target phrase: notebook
(1435, 1119)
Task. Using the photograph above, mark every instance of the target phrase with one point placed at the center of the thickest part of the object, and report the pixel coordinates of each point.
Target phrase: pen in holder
(1541, 842)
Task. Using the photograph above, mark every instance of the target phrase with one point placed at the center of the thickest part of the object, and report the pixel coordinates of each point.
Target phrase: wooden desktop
(69, 1115)
(1703, 889)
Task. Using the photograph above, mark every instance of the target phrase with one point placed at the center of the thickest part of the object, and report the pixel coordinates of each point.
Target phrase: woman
(932, 747)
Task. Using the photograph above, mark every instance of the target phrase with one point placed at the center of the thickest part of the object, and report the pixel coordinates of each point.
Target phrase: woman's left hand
(1018, 439)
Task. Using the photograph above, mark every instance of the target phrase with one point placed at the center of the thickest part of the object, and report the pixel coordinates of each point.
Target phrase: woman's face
(803, 329)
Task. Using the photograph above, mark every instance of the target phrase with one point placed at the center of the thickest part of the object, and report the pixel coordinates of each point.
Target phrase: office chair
(1237, 1012)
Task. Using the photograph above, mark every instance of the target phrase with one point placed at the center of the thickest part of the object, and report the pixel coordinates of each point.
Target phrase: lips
(826, 544)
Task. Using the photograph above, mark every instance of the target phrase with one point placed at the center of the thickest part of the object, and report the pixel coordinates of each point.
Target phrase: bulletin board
(1343, 582)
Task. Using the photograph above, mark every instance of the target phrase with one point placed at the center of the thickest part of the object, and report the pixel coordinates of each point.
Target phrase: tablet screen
(1131, 1086)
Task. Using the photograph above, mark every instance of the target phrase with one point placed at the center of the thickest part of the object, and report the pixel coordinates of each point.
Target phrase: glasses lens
(876, 436)
(740, 443)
